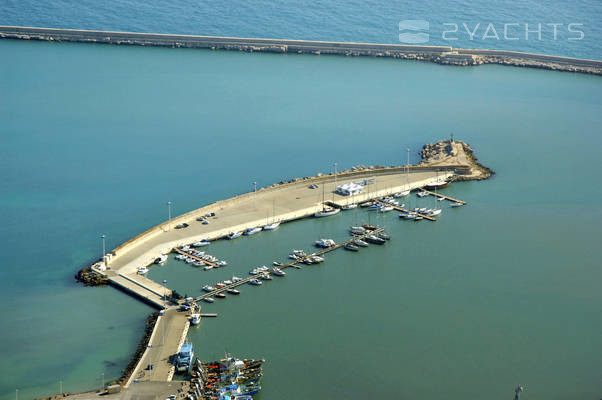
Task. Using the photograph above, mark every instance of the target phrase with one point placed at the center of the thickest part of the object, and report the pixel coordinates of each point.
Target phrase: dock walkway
(427, 217)
(214, 265)
(444, 197)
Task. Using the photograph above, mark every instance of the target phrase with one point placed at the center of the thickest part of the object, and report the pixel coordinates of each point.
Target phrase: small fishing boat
(375, 239)
(357, 230)
(185, 248)
(234, 235)
(208, 299)
(208, 267)
(233, 291)
(299, 253)
(418, 218)
(236, 279)
(293, 256)
(201, 243)
(162, 258)
(271, 227)
(254, 271)
(142, 270)
(277, 264)
(386, 208)
(351, 247)
(265, 276)
(374, 207)
(227, 282)
(198, 263)
(349, 206)
(440, 198)
(456, 204)
(180, 257)
(195, 318)
(189, 260)
(208, 288)
(317, 259)
(360, 243)
(383, 235)
(327, 211)
(255, 282)
(220, 295)
(221, 263)
(438, 184)
(325, 243)
(252, 231)
(435, 212)
(220, 285)
(369, 227)
(278, 272)
(422, 193)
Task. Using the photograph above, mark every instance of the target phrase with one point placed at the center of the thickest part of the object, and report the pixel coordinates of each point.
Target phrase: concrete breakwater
(445, 55)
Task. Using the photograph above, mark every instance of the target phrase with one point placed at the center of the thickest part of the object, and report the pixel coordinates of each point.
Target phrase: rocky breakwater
(89, 277)
(454, 153)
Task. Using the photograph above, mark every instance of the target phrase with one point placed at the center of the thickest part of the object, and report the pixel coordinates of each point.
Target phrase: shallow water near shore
(96, 139)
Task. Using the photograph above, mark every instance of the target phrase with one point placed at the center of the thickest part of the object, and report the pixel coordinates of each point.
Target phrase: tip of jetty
(451, 152)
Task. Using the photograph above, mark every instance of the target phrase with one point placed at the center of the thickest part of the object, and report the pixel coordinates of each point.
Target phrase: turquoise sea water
(477, 23)
(95, 139)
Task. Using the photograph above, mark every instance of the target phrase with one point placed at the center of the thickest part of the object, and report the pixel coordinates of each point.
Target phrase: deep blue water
(373, 21)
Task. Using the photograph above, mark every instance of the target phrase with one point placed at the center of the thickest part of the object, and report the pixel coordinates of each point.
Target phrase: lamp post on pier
(335, 175)
(168, 215)
(104, 249)
(254, 195)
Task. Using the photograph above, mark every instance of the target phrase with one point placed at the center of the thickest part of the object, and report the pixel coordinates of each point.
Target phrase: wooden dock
(283, 266)
(214, 265)
(443, 196)
(428, 217)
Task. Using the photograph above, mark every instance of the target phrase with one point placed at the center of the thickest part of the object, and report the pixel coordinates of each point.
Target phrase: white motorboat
(202, 243)
(456, 204)
(198, 263)
(349, 206)
(208, 267)
(386, 208)
(278, 272)
(234, 235)
(142, 270)
(233, 291)
(252, 231)
(325, 243)
(422, 193)
(189, 260)
(162, 258)
(255, 282)
(357, 230)
(236, 279)
(403, 194)
(360, 243)
(180, 257)
(435, 212)
(227, 282)
(195, 318)
(271, 227)
(327, 211)
(185, 248)
(208, 288)
(299, 253)
(265, 276)
(208, 299)
(440, 198)
(222, 263)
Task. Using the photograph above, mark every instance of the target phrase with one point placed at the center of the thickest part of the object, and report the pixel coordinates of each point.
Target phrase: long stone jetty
(446, 55)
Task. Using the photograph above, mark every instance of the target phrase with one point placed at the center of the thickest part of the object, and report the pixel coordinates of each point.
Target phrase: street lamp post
(335, 175)
(168, 215)
(104, 249)
(164, 307)
(254, 195)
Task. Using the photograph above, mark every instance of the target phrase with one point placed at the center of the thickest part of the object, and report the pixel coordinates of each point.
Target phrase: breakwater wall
(438, 54)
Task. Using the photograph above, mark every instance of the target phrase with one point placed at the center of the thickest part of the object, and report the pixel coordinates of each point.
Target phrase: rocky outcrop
(90, 278)
(454, 153)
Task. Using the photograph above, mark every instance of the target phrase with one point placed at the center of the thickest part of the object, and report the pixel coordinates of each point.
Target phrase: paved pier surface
(167, 337)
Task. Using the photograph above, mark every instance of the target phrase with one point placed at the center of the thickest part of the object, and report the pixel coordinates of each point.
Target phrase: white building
(349, 189)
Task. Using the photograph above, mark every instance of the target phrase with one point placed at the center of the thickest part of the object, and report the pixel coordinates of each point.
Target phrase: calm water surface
(96, 139)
